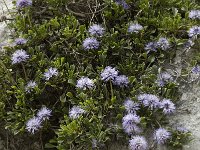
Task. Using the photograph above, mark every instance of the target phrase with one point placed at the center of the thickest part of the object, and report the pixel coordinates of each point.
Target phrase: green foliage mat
(55, 31)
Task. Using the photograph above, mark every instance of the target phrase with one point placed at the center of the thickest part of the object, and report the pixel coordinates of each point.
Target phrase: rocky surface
(188, 108)
(5, 9)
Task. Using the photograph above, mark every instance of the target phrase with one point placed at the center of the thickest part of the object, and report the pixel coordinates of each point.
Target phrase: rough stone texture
(188, 108)
(4, 32)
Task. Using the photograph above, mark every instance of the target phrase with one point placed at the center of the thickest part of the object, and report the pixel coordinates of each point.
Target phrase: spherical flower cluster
(85, 82)
(20, 41)
(188, 44)
(129, 123)
(75, 112)
(23, 3)
(163, 78)
(194, 31)
(19, 56)
(30, 86)
(33, 124)
(151, 46)
(122, 3)
(90, 43)
(109, 73)
(196, 69)
(44, 113)
(163, 43)
(149, 100)
(130, 106)
(168, 106)
(121, 80)
(96, 30)
(138, 143)
(194, 14)
(161, 135)
(94, 143)
(50, 73)
(134, 27)
(182, 129)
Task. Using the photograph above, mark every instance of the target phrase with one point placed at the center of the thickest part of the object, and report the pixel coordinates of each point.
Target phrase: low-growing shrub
(85, 74)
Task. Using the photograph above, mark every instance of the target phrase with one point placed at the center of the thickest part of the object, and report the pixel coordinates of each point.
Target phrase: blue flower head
(33, 124)
(163, 78)
(168, 106)
(161, 135)
(75, 112)
(19, 56)
(44, 113)
(196, 69)
(85, 82)
(96, 30)
(151, 46)
(90, 43)
(138, 143)
(163, 43)
(109, 73)
(194, 31)
(194, 14)
(23, 3)
(50, 73)
(122, 3)
(135, 27)
(20, 41)
(188, 44)
(149, 100)
(129, 123)
(131, 106)
(121, 80)
(30, 86)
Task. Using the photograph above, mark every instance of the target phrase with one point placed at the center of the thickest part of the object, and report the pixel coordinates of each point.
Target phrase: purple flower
(94, 143)
(196, 69)
(44, 113)
(90, 43)
(19, 56)
(163, 78)
(194, 14)
(182, 129)
(122, 3)
(168, 106)
(50, 73)
(96, 30)
(109, 73)
(33, 124)
(151, 46)
(149, 100)
(130, 106)
(121, 80)
(129, 123)
(161, 135)
(20, 41)
(134, 27)
(85, 82)
(194, 31)
(163, 43)
(23, 3)
(188, 44)
(138, 143)
(30, 86)
(160, 83)
(75, 112)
